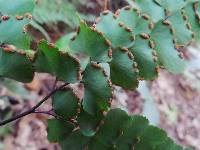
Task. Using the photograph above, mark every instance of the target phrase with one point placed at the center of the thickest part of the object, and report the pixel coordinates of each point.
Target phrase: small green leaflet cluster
(17, 61)
(135, 42)
(13, 38)
(116, 131)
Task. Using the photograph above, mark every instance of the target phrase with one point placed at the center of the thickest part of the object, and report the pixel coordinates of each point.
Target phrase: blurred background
(171, 102)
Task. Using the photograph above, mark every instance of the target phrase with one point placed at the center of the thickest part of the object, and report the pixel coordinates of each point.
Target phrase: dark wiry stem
(47, 113)
(33, 109)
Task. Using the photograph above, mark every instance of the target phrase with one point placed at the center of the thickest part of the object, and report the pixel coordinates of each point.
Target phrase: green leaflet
(167, 54)
(181, 32)
(60, 64)
(75, 141)
(97, 91)
(63, 45)
(110, 131)
(58, 129)
(16, 7)
(65, 103)
(119, 131)
(193, 20)
(13, 62)
(149, 139)
(91, 43)
(144, 57)
(151, 8)
(168, 145)
(172, 5)
(15, 65)
(63, 42)
(12, 32)
(122, 71)
(137, 23)
(116, 34)
(197, 10)
(131, 133)
(88, 123)
(188, 149)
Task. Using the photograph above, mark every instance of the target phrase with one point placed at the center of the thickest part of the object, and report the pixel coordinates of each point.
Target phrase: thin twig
(32, 110)
(55, 116)
(46, 113)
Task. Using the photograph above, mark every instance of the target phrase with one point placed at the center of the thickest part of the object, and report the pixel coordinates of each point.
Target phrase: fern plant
(136, 42)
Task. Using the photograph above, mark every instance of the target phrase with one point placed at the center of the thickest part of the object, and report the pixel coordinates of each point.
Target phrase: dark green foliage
(192, 19)
(181, 32)
(97, 91)
(165, 48)
(110, 131)
(13, 40)
(13, 29)
(12, 32)
(149, 139)
(122, 69)
(63, 42)
(134, 42)
(90, 42)
(118, 131)
(134, 129)
(137, 24)
(60, 64)
(75, 141)
(171, 5)
(117, 35)
(88, 123)
(58, 129)
(171, 145)
(65, 103)
(143, 56)
(15, 65)
(151, 8)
